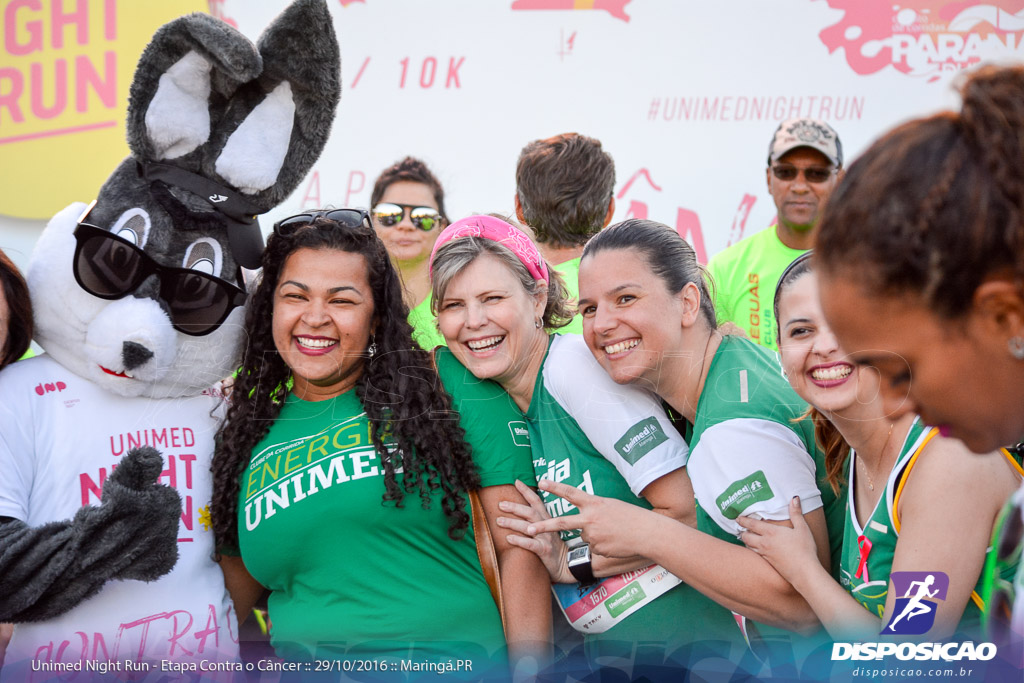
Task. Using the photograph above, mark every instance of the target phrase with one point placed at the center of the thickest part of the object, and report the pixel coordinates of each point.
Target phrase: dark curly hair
(936, 205)
(398, 388)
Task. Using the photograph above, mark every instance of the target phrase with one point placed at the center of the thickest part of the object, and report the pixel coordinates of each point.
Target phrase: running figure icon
(916, 606)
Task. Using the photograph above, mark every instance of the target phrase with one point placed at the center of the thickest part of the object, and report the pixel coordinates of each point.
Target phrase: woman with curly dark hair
(336, 422)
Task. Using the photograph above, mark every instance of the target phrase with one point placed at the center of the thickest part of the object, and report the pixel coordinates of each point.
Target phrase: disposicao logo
(917, 596)
(925, 38)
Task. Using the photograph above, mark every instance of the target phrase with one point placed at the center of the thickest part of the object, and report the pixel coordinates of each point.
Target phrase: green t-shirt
(424, 325)
(349, 573)
(749, 452)
(495, 427)
(745, 276)
(570, 272)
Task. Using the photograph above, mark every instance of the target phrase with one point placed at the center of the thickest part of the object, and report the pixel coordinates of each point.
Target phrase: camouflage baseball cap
(812, 133)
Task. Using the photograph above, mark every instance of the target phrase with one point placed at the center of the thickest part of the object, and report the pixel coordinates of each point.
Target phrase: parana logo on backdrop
(918, 596)
(924, 38)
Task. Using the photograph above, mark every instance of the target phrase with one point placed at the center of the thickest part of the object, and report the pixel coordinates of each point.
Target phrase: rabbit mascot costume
(106, 440)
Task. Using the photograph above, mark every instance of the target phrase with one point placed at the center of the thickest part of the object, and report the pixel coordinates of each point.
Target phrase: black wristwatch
(579, 565)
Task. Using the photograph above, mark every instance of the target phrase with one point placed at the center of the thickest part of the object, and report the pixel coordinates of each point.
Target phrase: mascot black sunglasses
(111, 267)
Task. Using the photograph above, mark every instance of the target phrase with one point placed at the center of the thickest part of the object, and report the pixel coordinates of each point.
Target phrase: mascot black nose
(134, 355)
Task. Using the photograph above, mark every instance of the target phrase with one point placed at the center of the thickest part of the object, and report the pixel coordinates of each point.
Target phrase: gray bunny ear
(288, 111)
(170, 111)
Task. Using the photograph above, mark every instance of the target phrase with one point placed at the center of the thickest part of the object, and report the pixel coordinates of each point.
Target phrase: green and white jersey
(609, 440)
(585, 428)
(747, 456)
(868, 551)
(750, 453)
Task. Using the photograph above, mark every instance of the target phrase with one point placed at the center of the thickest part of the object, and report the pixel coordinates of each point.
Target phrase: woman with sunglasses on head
(497, 299)
(649, 322)
(899, 472)
(341, 478)
(408, 214)
(929, 291)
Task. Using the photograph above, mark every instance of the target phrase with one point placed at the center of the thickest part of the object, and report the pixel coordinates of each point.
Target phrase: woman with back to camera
(901, 473)
(927, 285)
(345, 491)
(496, 300)
(408, 214)
(648, 321)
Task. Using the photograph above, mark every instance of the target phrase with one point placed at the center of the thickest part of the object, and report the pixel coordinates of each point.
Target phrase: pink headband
(496, 230)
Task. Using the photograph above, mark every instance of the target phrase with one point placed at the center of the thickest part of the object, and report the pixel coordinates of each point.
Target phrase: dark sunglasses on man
(389, 214)
(109, 266)
(812, 174)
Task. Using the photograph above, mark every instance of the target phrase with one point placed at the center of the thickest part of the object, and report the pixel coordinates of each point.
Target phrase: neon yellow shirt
(424, 325)
(745, 276)
(570, 272)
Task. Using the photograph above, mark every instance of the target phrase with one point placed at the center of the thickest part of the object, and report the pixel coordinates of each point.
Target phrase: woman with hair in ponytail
(921, 264)
(650, 327)
(343, 479)
(901, 474)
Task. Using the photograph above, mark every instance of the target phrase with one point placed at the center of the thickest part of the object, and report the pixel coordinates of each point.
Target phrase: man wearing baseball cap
(805, 161)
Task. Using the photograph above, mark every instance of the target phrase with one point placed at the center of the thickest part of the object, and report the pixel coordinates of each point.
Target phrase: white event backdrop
(684, 95)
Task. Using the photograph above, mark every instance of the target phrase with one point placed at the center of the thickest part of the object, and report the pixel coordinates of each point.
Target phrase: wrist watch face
(579, 555)
(580, 566)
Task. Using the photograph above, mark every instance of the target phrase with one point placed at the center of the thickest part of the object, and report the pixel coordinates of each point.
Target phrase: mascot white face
(142, 293)
(128, 346)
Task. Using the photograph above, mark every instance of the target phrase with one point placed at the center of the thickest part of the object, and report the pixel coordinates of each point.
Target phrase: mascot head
(141, 291)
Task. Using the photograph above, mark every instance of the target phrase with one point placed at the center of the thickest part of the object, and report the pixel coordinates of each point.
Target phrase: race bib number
(604, 604)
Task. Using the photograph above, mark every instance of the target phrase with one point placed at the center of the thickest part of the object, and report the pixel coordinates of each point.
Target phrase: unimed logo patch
(624, 599)
(640, 439)
(917, 596)
(743, 493)
(520, 434)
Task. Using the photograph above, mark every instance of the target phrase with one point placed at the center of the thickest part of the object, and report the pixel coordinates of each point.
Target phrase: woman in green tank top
(916, 503)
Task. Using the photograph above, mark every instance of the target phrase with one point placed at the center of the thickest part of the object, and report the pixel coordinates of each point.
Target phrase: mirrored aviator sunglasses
(389, 215)
(109, 266)
(350, 218)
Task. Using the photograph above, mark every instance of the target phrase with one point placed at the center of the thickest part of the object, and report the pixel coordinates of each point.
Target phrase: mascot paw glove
(147, 513)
